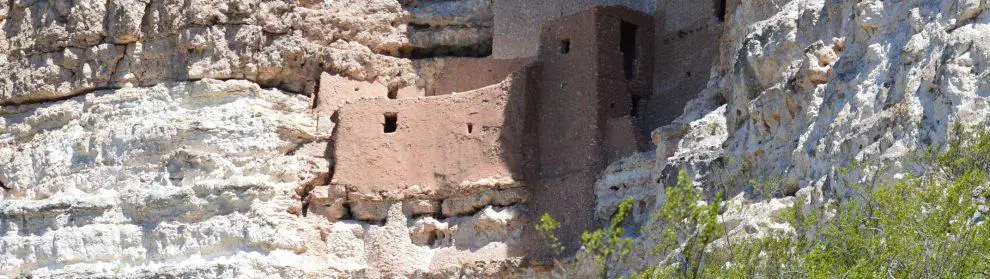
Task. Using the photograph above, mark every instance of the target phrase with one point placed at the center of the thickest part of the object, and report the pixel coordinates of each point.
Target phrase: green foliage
(682, 229)
(548, 227)
(926, 226)
(610, 243)
(969, 151)
(766, 188)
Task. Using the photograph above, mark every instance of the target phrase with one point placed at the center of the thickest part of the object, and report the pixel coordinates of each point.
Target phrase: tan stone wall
(583, 112)
(517, 22)
(686, 40)
(335, 91)
(438, 142)
(447, 75)
(685, 45)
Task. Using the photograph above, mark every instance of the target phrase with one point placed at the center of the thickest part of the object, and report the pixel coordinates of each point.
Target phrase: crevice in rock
(477, 210)
(32, 100)
(477, 51)
(480, 49)
(116, 64)
(145, 24)
(40, 100)
(292, 151)
(964, 22)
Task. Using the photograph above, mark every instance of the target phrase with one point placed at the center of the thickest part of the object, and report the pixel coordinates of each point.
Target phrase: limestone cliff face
(166, 137)
(811, 86)
(143, 138)
(802, 89)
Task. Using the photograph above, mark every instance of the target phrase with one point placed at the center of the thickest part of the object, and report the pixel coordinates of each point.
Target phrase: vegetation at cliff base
(931, 224)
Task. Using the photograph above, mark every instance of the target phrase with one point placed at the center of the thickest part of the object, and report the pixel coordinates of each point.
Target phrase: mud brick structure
(595, 67)
(550, 127)
(515, 32)
(432, 142)
(441, 76)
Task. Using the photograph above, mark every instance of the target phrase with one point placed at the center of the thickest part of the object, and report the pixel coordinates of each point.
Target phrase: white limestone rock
(124, 180)
(804, 88)
(57, 49)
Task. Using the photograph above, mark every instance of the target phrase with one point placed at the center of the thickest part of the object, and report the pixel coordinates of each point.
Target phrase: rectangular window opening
(391, 122)
(565, 46)
(719, 7)
(393, 93)
(634, 111)
(627, 46)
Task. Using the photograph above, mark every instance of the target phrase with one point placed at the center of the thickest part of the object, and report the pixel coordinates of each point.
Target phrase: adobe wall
(625, 91)
(334, 91)
(685, 40)
(441, 76)
(687, 36)
(437, 142)
(516, 21)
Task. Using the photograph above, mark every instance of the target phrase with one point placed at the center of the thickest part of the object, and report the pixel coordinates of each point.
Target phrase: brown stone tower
(595, 69)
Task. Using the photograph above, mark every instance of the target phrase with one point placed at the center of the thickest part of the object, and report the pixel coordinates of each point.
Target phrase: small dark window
(627, 46)
(391, 122)
(719, 7)
(634, 111)
(470, 127)
(393, 92)
(565, 46)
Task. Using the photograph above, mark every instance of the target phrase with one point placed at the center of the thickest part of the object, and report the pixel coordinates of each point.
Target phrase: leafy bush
(548, 227)
(610, 243)
(929, 225)
(603, 245)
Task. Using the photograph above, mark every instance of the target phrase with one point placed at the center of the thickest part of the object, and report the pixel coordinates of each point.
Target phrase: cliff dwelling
(361, 138)
(537, 126)
(430, 138)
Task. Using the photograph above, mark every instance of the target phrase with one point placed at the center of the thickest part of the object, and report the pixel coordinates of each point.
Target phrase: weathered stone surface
(57, 49)
(328, 201)
(804, 97)
(416, 207)
(127, 156)
(141, 175)
(459, 206)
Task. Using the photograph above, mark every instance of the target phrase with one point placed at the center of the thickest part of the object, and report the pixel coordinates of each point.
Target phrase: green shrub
(925, 226)
(610, 243)
(548, 227)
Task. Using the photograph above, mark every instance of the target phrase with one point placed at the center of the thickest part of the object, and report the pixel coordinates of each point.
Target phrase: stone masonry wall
(516, 21)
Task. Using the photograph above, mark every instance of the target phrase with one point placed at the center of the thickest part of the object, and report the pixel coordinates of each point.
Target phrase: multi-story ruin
(550, 127)
(477, 132)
